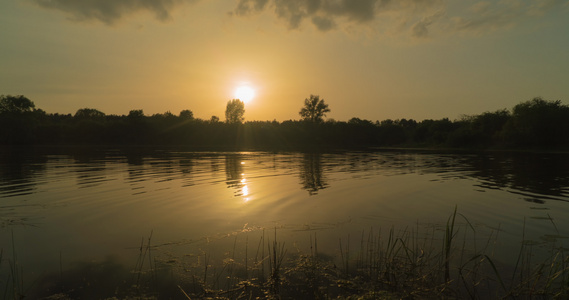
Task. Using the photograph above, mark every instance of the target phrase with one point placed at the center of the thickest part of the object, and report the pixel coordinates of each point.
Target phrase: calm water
(57, 209)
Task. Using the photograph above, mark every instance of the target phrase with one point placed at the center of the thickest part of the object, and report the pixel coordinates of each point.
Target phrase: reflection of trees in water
(90, 168)
(18, 170)
(162, 166)
(536, 177)
(214, 165)
(540, 175)
(187, 167)
(135, 158)
(311, 175)
(91, 174)
(234, 173)
(135, 170)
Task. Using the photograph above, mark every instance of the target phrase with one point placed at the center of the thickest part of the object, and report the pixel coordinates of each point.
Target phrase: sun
(244, 93)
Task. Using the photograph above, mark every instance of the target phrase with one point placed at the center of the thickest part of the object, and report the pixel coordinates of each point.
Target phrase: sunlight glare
(244, 93)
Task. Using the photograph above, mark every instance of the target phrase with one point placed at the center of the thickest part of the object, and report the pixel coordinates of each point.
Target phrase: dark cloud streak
(323, 24)
(245, 7)
(421, 30)
(419, 18)
(111, 11)
(327, 14)
(324, 12)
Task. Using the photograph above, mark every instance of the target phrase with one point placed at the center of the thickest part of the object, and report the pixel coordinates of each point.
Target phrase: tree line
(536, 123)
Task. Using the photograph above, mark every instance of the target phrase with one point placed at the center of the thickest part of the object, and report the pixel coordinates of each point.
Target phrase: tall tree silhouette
(314, 109)
(234, 111)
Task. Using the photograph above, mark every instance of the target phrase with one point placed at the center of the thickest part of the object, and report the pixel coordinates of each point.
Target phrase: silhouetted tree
(89, 113)
(186, 114)
(168, 115)
(15, 104)
(358, 121)
(136, 114)
(481, 130)
(314, 109)
(18, 119)
(234, 111)
(490, 123)
(535, 123)
(539, 122)
(391, 133)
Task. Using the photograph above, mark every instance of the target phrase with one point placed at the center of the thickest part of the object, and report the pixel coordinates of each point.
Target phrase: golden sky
(372, 59)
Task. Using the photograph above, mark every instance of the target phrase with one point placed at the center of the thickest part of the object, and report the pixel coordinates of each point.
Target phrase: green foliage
(314, 109)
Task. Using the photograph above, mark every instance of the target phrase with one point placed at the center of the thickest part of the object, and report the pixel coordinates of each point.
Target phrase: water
(60, 208)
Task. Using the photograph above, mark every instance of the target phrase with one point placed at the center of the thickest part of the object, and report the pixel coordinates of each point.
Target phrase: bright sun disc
(244, 93)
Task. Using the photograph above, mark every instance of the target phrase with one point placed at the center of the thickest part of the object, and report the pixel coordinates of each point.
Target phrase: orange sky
(372, 59)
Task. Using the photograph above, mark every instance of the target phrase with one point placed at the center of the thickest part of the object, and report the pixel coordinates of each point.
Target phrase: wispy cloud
(486, 16)
(418, 18)
(421, 28)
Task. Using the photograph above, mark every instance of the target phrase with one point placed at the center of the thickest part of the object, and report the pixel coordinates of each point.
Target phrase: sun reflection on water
(236, 177)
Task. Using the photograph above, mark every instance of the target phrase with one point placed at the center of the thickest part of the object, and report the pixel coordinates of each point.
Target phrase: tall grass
(14, 275)
(407, 263)
(411, 263)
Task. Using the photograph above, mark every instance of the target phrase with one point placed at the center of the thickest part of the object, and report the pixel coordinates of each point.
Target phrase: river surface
(60, 208)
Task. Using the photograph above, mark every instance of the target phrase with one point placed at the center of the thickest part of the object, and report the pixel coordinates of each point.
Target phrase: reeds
(447, 262)
(14, 281)
(413, 262)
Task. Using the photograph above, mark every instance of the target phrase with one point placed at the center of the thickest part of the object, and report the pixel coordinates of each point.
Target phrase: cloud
(245, 7)
(486, 16)
(418, 18)
(421, 30)
(540, 7)
(326, 15)
(323, 24)
(295, 11)
(110, 11)
(489, 16)
(415, 18)
(359, 11)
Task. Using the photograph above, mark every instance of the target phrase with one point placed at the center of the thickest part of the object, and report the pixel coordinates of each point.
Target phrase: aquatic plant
(444, 262)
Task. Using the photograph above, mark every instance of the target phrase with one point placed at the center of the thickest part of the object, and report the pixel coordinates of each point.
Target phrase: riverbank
(407, 264)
